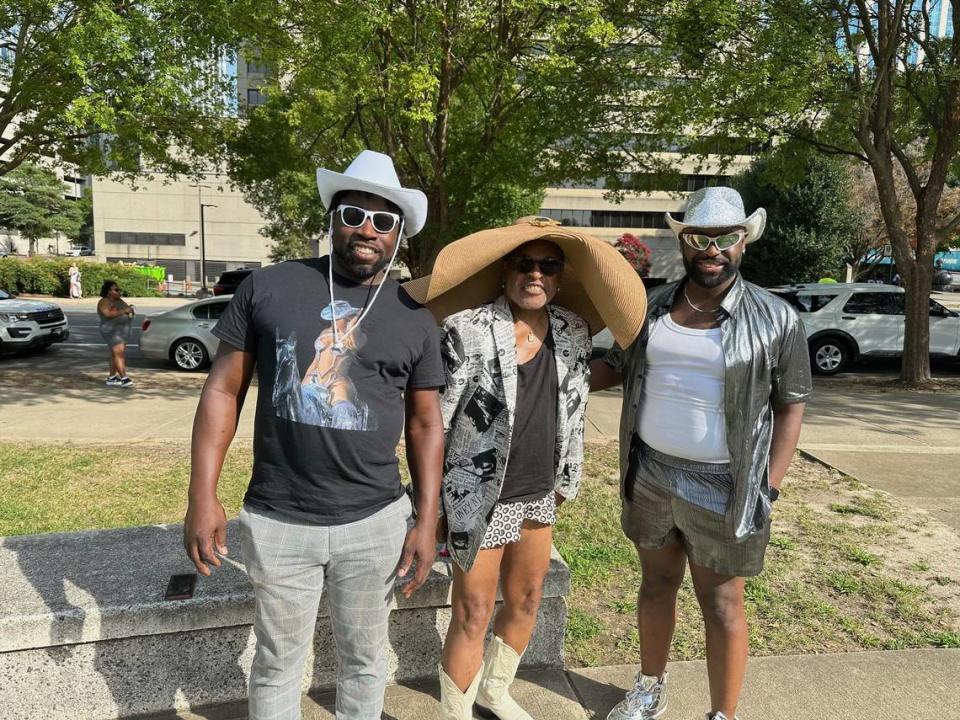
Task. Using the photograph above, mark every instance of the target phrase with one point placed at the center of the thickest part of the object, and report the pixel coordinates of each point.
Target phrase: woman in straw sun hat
(518, 306)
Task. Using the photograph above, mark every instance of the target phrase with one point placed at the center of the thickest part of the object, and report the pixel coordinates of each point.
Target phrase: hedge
(46, 276)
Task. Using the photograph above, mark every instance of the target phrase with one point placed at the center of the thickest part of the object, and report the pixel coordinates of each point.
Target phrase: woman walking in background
(115, 320)
(76, 290)
(517, 380)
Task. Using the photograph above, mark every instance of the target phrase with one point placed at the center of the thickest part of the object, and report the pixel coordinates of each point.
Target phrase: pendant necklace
(531, 334)
(698, 309)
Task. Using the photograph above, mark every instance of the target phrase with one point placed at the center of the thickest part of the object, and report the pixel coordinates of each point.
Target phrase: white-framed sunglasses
(699, 241)
(353, 216)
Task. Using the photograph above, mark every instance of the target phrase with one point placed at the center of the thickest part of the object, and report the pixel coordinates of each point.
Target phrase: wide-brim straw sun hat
(373, 172)
(597, 282)
(719, 207)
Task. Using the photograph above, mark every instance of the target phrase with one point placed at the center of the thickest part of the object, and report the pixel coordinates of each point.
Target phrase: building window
(652, 182)
(608, 218)
(138, 238)
(255, 97)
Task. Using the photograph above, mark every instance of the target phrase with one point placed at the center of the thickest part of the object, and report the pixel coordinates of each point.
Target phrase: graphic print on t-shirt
(325, 396)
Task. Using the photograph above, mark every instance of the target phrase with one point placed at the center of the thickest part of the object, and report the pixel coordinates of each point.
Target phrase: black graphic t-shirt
(330, 408)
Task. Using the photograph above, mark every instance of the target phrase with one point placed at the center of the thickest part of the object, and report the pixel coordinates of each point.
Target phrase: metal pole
(203, 255)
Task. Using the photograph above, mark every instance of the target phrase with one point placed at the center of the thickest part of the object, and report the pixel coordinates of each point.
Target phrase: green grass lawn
(834, 578)
(848, 568)
(53, 488)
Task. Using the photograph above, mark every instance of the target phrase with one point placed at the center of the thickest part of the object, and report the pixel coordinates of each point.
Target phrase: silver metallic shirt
(767, 365)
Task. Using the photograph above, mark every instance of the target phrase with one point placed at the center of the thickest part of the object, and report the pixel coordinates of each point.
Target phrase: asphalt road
(85, 350)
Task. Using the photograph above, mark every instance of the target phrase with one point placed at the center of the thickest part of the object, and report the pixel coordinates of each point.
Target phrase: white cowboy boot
(500, 666)
(454, 704)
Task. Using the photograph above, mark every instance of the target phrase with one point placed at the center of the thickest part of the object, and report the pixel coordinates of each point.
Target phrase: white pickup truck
(29, 324)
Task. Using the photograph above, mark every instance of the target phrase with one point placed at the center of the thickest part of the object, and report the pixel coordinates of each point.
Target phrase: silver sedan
(182, 335)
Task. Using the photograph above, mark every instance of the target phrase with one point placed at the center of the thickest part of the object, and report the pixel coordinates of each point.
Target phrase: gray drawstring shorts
(682, 502)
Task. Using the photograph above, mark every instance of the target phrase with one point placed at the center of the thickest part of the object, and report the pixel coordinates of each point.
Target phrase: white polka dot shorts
(508, 518)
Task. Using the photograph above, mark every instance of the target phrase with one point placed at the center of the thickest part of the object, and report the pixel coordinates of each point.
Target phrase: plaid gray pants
(290, 565)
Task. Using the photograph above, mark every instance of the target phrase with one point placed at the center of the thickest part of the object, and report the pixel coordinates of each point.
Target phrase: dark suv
(229, 281)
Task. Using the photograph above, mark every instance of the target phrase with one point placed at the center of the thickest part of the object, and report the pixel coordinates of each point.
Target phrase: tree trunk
(915, 368)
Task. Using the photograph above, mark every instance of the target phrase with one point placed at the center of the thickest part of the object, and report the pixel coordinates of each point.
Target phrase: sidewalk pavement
(90, 301)
(918, 684)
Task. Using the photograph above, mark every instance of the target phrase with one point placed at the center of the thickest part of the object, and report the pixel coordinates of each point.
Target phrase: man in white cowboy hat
(345, 360)
(714, 393)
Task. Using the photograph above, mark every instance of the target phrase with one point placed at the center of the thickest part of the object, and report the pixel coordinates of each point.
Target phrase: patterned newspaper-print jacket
(479, 403)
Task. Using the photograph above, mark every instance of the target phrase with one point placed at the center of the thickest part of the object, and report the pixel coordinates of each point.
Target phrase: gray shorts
(669, 506)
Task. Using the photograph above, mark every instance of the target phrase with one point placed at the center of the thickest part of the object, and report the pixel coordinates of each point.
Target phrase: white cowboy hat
(597, 282)
(718, 207)
(373, 172)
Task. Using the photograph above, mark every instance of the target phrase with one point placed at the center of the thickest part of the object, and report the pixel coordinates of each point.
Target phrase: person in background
(115, 320)
(76, 290)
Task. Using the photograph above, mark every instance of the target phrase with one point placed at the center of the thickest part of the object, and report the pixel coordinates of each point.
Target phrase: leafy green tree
(115, 86)
(84, 234)
(480, 104)
(32, 202)
(810, 223)
(867, 80)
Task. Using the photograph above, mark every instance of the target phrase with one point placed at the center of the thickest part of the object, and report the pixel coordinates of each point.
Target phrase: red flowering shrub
(636, 252)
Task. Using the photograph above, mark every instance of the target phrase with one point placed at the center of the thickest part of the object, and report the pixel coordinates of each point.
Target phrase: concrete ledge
(85, 632)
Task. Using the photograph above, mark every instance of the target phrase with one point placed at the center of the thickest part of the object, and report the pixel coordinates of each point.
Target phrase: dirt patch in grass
(848, 568)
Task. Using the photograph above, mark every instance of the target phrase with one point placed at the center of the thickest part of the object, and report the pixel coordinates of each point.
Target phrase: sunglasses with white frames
(723, 242)
(354, 217)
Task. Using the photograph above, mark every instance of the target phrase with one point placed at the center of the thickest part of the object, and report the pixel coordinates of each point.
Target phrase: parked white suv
(844, 321)
(27, 324)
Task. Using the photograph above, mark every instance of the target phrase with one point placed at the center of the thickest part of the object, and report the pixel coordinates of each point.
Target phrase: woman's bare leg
(472, 602)
(522, 572)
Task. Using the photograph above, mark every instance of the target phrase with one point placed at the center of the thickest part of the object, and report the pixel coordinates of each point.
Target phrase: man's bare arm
(424, 444)
(602, 376)
(214, 425)
(786, 433)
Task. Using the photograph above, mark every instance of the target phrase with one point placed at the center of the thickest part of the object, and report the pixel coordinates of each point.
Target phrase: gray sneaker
(113, 381)
(646, 701)
(718, 716)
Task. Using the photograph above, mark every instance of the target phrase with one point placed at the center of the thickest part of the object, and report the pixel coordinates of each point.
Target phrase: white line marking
(99, 344)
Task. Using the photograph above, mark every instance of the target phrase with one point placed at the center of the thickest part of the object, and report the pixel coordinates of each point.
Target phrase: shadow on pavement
(44, 386)
(901, 411)
(87, 585)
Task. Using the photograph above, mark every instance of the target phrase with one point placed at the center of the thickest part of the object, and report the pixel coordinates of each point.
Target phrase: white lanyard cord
(337, 340)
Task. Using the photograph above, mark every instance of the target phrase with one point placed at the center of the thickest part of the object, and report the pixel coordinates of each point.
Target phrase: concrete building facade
(158, 223)
(641, 214)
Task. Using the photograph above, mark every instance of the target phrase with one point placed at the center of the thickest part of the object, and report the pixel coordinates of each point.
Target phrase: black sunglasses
(548, 266)
(353, 216)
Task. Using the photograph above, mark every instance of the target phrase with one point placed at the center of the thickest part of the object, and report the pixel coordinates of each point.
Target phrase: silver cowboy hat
(719, 207)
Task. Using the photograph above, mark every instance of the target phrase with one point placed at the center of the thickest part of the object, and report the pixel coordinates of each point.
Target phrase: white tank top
(682, 409)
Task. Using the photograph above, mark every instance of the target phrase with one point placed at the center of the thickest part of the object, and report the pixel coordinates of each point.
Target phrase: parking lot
(85, 351)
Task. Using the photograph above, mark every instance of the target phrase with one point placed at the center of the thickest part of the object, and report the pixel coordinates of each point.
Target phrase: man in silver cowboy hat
(714, 393)
(345, 360)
